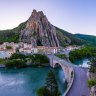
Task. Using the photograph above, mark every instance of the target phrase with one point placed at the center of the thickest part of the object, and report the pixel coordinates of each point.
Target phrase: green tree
(39, 59)
(8, 47)
(15, 63)
(51, 84)
(91, 83)
(18, 56)
(62, 56)
(43, 91)
(85, 52)
(92, 63)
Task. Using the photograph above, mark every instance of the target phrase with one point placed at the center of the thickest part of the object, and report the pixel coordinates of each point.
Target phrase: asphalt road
(79, 87)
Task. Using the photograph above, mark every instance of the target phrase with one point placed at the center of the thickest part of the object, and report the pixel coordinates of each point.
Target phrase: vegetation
(91, 40)
(11, 35)
(18, 60)
(51, 86)
(66, 38)
(2, 61)
(17, 56)
(62, 56)
(43, 91)
(15, 63)
(8, 47)
(92, 63)
(85, 52)
(92, 81)
(39, 60)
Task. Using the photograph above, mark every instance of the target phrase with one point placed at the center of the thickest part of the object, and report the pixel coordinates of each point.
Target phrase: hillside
(68, 38)
(91, 40)
(39, 31)
(11, 35)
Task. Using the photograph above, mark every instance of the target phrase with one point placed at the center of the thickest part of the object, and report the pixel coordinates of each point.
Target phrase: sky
(74, 16)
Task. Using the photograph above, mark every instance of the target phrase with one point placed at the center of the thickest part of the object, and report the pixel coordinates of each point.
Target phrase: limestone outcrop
(39, 31)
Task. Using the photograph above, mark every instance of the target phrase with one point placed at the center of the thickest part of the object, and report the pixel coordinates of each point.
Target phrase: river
(82, 63)
(25, 82)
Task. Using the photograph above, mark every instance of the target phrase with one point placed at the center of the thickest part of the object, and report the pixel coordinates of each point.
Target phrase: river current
(26, 81)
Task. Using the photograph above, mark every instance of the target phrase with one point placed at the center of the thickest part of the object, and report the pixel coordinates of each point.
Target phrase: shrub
(18, 56)
(92, 63)
(91, 83)
(43, 91)
(8, 47)
(15, 63)
(82, 53)
(39, 59)
(62, 56)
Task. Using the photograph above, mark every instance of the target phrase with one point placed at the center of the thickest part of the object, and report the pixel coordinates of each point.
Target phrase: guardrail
(70, 85)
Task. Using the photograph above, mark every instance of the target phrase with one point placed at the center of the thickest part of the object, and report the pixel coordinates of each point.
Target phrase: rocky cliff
(39, 31)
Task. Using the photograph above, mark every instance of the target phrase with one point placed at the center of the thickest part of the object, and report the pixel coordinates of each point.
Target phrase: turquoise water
(82, 63)
(25, 82)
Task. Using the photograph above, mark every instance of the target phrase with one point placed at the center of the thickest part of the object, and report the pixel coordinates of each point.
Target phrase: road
(79, 87)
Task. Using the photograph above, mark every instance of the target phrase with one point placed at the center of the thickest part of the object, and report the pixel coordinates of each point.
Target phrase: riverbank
(19, 60)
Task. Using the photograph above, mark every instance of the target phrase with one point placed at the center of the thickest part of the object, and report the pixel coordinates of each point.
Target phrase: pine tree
(92, 63)
(51, 84)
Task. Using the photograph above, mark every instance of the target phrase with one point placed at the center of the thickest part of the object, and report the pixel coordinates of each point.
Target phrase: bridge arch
(65, 67)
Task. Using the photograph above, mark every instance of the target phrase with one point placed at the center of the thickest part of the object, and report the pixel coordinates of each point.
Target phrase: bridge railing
(71, 75)
(69, 85)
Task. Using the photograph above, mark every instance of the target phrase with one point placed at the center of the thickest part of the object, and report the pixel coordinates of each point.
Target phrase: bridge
(67, 68)
(74, 75)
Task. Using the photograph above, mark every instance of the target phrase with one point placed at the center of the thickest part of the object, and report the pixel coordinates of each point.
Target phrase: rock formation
(39, 31)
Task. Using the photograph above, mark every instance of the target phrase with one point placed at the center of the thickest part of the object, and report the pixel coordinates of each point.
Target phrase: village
(7, 49)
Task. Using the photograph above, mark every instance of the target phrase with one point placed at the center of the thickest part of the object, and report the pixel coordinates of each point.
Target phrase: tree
(39, 59)
(15, 63)
(51, 84)
(43, 91)
(92, 63)
(79, 54)
(17, 56)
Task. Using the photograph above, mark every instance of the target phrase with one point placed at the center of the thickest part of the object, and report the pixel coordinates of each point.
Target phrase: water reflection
(25, 82)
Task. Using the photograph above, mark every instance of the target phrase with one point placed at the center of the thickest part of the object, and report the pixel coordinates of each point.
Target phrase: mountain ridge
(65, 38)
(90, 39)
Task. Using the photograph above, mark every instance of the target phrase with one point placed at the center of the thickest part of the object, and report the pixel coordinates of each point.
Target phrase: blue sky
(75, 16)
